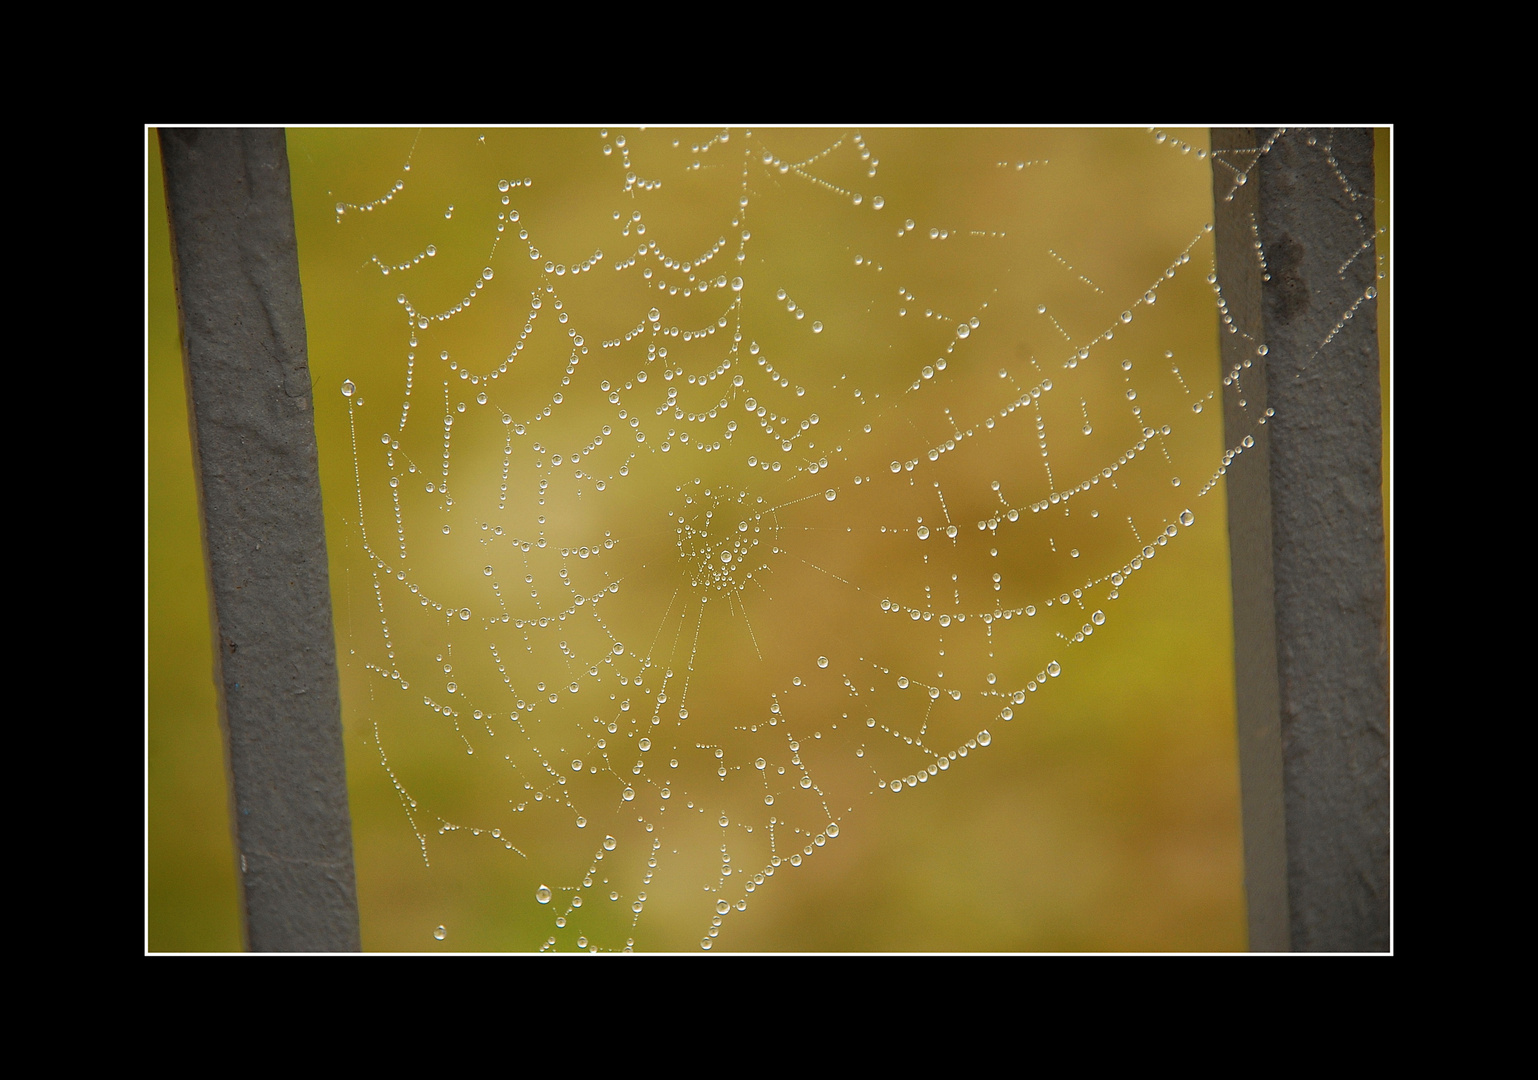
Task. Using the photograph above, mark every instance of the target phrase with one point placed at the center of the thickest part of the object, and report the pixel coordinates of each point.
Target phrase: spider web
(730, 524)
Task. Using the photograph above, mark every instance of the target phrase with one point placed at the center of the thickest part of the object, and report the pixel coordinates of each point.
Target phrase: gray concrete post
(1297, 266)
(253, 438)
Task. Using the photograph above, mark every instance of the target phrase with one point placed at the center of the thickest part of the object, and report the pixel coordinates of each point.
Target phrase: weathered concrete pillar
(1297, 266)
(264, 540)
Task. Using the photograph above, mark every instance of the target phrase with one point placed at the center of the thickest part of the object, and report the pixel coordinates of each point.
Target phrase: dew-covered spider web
(707, 503)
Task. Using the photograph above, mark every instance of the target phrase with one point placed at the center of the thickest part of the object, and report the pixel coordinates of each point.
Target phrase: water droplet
(878, 202)
(543, 894)
(923, 532)
(830, 494)
(817, 326)
(902, 682)
(609, 843)
(983, 738)
(724, 821)
(628, 794)
(441, 933)
(1186, 517)
(736, 284)
(348, 388)
(654, 314)
(1098, 618)
(822, 661)
(963, 331)
(897, 467)
(1054, 669)
(832, 829)
(581, 822)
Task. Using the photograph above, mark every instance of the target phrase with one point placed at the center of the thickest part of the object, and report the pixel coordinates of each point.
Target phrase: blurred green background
(190, 861)
(1108, 822)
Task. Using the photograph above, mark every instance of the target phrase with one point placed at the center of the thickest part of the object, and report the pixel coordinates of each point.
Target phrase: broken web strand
(698, 532)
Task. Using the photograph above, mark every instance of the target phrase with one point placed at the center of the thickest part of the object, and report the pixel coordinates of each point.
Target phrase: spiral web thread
(711, 490)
